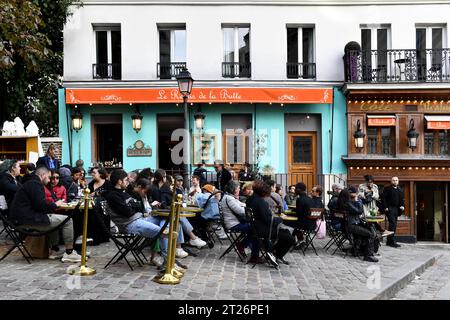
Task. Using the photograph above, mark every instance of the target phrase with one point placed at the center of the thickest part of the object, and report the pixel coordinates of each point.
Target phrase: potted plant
(268, 172)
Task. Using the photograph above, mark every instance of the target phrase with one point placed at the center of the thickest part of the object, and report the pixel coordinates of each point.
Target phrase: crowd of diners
(36, 199)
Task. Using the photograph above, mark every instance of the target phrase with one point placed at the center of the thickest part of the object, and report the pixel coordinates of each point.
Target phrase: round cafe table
(166, 213)
(375, 219)
(290, 212)
(288, 218)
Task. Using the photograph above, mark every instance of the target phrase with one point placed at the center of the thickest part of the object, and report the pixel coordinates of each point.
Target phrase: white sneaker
(181, 253)
(73, 257)
(157, 261)
(80, 240)
(197, 242)
(55, 255)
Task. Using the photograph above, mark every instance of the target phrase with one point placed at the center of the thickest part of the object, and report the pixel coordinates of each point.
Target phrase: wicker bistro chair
(235, 237)
(127, 243)
(316, 214)
(18, 233)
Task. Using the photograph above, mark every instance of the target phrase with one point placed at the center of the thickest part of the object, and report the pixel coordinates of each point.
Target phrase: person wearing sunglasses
(54, 190)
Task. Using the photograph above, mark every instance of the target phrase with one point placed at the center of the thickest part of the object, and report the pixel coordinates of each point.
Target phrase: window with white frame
(172, 50)
(301, 52)
(375, 41)
(236, 51)
(430, 41)
(108, 53)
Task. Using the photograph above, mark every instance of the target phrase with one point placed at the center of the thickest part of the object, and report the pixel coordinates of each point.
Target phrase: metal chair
(235, 237)
(316, 214)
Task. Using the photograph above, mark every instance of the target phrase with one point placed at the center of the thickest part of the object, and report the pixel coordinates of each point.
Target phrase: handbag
(321, 230)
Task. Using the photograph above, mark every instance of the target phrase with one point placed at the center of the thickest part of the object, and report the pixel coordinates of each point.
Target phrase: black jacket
(162, 195)
(263, 216)
(29, 205)
(303, 207)
(45, 162)
(102, 190)
(353, 210)
(201, 173)
(223, 177)
(8, 187)
(124, 208)
(393, 197)
(317, 202)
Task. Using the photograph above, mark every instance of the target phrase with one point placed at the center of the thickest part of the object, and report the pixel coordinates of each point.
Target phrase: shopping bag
(321, 230)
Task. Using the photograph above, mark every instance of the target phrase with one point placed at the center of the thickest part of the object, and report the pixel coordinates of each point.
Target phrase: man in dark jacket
(223, 175)
(49, 160)
(30, 210)
(200, 172)
(8, 181)
(393, 200)
(303, 207)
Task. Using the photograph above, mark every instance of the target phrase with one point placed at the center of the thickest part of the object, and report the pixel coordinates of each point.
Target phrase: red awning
(438, 122)
(199, 95)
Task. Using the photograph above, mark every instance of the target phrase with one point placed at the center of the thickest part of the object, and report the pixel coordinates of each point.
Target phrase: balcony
(296, 70)
(236, 70)
(394, 66)
(169, 70)
(111, 71)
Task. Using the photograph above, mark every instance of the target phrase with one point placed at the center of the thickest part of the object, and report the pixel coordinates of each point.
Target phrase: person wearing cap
(210, 205)
(348, 203)
(179, 185)
(368, 193)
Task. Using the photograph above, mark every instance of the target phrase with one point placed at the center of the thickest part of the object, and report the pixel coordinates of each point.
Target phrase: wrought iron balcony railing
(384, 66)
(300, 70)
(169, 70)
(107, 71)
(236, 70)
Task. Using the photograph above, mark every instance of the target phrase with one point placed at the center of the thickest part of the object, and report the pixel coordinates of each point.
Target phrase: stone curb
(395, 281)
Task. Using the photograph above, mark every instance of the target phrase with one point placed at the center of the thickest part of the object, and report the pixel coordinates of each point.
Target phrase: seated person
(246, 191)
(195, 187)
(9, 183)
(29, 172)
(127, 212)
(316, 197)
(210, 205)
(354, 209)
(279, 191)
(275, 201)
(160, 190)
(266, 224)
(291, 197)
(99, 185)
(235, 220)
(54, 191)
(30, 210)
(74, 190)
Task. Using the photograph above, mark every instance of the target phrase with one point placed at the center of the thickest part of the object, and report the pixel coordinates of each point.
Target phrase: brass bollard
(171, 276)
(83, 270)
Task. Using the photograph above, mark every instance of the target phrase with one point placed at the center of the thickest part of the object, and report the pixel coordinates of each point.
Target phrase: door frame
(312, 134)
(103, 118)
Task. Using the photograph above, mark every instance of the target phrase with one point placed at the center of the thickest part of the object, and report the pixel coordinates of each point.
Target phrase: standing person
(223, 175)
(8, 181)
(246, 174)
(29, 209)
(291, 197)
(368, 193)
(393, 200)
(49, 160)
(200, 172)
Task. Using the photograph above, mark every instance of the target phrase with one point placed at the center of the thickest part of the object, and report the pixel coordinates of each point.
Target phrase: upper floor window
(300, 52)
(381, 134)
(108, 52)
(431, 58)
(236, 51)
(375, 41)
(172, 50)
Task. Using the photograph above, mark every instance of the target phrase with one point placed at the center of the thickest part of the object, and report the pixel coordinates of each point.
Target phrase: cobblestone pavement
(324, 276)
(434, 283)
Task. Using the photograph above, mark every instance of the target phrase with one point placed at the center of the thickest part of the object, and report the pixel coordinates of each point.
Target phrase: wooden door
(302, 158)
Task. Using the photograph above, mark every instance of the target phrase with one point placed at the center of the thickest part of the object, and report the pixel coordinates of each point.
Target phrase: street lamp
(359, 137)
(412, 135)
(185, 83)
(77, 119)
(136, 118)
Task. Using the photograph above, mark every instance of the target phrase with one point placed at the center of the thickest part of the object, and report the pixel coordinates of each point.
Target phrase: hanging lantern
(136, 119)
(199, 120)
(77, 119)
(359, 137)
(412, 135)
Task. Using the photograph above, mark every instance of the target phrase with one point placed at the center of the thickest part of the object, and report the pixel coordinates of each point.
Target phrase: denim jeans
(146, 227)
(245, 227)
(164, 242)
(186, 225)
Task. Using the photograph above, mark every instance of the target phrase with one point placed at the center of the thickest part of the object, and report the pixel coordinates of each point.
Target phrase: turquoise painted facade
(265, 117)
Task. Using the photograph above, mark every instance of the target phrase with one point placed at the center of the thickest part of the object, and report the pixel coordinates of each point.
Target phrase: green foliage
(31, 60)
(260, 150)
